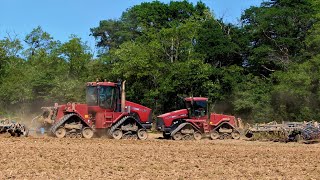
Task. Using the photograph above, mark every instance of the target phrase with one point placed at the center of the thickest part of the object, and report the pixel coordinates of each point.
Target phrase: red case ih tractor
(106, 111)
(194, 122)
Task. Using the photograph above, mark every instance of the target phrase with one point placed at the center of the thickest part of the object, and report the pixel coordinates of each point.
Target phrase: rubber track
(114, 127)
(58, 124)
(181, 126)
(234, 128)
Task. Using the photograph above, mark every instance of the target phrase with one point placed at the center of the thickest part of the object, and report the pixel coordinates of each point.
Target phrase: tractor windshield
(198, 108)
(107, 97)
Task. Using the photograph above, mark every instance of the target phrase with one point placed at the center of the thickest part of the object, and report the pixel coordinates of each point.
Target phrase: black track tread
(181, 126)
(233, 127)
(178, 128)
(117, 124)
(59, 123)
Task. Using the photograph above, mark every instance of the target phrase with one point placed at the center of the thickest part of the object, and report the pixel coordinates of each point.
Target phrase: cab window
(197, 108)
(107, 97)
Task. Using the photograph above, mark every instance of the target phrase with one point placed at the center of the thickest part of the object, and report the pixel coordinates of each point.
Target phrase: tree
(144, 18)
(252, 99)
(313, 36)
(216, 42)
(77, 54)
(277, 30)
(295, 95)
(39, 42)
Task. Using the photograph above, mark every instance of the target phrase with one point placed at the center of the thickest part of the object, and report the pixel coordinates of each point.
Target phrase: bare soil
(101, 158)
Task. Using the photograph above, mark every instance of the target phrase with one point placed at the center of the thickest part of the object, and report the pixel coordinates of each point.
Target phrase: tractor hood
(182, 113)
(167, 118)
(144, 113)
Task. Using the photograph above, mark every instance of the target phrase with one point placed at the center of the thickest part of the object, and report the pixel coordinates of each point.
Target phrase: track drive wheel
(235, 135)
(177, 136)
(142, 134)
(166, 136)
(87, 132)
(197, 135)
(60, 132)
(117, 134)
(214, 135)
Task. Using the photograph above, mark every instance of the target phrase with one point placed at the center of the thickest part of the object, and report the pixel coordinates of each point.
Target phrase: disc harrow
(285, 131)
(13, 128)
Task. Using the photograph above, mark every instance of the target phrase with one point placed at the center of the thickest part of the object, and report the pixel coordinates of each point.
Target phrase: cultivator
(13, 128)
(286, 131)
(311, 132)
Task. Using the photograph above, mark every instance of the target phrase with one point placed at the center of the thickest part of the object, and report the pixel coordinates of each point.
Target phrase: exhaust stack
(123, 96)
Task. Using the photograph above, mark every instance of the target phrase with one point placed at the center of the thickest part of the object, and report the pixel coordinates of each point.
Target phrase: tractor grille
(160, 124)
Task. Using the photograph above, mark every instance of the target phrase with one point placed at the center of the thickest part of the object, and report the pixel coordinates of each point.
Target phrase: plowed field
(52, 158)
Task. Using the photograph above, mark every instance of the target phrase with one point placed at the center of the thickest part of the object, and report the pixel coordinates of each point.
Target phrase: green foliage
(144, 18)
(216, 43)
(77, 54)
(313, 38)
(277, 31)
(267, 69)
(253, 99)
(296, 93)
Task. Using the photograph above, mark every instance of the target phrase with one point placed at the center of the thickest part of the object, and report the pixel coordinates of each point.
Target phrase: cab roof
(101, 84)
(196, 99)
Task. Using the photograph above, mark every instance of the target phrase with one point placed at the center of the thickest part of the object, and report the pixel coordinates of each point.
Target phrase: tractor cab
(197, 107)
(106, 95)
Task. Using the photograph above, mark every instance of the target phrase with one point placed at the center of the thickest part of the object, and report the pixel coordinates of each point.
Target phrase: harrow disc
(310, 133)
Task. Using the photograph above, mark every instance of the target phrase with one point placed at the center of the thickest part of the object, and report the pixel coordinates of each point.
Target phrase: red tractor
(106, 111)
(194, 122)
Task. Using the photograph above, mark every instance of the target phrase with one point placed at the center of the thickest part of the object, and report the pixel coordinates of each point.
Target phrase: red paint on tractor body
(216, 119)
(100, 117)
(196, 114)
(169, 117)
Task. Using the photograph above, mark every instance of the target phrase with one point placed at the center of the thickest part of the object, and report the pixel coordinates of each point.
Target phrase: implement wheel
(214, 135)
(177, 136)
(60, 132)
(142, 134)
(117, 134)
(197, 135)
(87, 133)
(235, 135)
